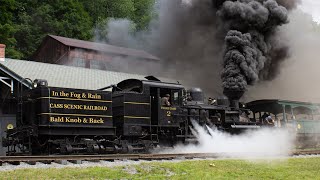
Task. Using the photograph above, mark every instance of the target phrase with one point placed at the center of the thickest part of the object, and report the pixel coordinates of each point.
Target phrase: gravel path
(84, 164)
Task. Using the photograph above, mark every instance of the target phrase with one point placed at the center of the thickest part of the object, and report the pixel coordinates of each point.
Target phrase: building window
(96, 64)
(77, 62)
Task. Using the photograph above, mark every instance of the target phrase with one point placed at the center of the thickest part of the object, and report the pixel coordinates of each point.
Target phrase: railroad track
(77, 159)
(306, 152)
(110, 157)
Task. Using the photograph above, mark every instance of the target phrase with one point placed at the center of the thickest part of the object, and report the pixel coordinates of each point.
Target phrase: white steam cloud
(268, 142)
(118, 31)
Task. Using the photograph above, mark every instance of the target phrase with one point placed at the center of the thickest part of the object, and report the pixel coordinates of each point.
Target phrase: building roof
(66, 76)
(103, 47)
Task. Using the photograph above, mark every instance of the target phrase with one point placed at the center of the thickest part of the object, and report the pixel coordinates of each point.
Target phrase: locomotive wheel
(94, 148)
(63, 150)
(130, 149)
(150, 147)
(66, 149)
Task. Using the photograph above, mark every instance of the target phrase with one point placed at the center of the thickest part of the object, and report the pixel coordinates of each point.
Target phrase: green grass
(308, 168)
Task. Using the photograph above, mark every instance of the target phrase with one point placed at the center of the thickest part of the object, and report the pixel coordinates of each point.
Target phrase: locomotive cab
(156, 91)
(151, 117)
(165, 112)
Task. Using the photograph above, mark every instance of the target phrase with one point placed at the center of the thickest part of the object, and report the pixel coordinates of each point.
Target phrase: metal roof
(103, 47)
(67, 76)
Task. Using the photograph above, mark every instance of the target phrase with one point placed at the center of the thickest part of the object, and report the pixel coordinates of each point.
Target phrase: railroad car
(131, 118)
(53, 120)
(303, 118)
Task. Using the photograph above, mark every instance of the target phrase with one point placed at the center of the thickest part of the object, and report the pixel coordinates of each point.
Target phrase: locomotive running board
(245, 126)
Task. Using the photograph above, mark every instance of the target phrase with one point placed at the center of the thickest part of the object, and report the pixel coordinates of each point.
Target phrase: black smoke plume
(250, 51)
(189, 37)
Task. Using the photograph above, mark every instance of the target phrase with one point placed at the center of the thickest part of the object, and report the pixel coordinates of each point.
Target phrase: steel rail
(108, 157)
(305, 152)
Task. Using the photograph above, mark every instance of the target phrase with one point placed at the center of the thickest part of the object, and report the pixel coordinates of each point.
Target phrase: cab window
(175, 97)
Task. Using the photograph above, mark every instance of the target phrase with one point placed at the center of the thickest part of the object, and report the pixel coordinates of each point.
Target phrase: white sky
(312, 7)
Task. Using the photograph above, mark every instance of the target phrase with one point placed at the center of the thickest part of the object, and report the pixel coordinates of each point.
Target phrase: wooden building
(73, 52)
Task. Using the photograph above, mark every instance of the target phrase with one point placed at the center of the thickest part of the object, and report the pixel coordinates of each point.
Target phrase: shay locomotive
(129, 119)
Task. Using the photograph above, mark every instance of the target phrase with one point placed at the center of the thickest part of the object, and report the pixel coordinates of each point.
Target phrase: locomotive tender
(129, 119)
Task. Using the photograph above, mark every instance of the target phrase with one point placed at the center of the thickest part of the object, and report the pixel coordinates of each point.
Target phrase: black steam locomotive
(129, 119)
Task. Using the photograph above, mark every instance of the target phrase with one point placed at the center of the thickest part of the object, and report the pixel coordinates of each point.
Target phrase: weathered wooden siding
(51, 51)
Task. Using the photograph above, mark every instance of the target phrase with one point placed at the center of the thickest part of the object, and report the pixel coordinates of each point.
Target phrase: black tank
(223, 101)
(197, 95)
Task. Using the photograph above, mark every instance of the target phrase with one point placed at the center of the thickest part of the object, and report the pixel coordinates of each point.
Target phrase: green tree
(120, 8)
(36, 19)
(100, 10)
(138, 11)
(7, 28)
(143, 13)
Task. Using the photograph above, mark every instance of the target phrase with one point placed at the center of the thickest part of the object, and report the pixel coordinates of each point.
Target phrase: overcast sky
(312, 7)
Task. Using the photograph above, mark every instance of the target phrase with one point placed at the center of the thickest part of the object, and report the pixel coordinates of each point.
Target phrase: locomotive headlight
(299, 126)
(35, 84)
(9, 126)
(40, 82)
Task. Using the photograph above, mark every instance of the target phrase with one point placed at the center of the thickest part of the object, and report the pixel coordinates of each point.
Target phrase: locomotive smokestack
(233, 96)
